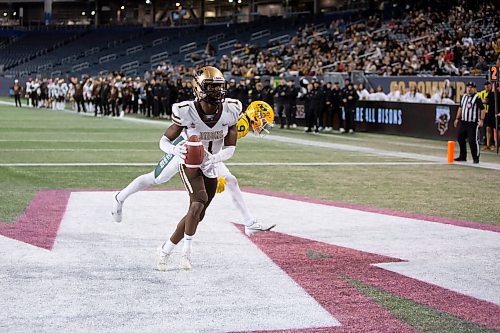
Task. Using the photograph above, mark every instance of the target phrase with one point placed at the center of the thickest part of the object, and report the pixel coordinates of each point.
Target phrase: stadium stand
(31, 45)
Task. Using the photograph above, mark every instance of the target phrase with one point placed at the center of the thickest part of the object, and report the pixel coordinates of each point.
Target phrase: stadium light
(148, 2)
(230, 1)
(92, 13)
(4, 13)
(14, 14)
(239, 1)
(83, 13)
(122, 7)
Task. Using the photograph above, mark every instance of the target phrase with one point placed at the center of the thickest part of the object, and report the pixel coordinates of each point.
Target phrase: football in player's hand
(195, 152)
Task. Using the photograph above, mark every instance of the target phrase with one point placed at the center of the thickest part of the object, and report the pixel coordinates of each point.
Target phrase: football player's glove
(221, 184)
(261, 116)
(209, 85)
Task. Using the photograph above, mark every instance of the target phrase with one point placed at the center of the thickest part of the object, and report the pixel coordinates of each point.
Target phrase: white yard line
(373, 151)
(229, 164)
(72, 149)
(78, 141)
(337, 146)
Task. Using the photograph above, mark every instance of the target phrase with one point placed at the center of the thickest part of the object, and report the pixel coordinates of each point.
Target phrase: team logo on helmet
(209, 85)
(261, 117)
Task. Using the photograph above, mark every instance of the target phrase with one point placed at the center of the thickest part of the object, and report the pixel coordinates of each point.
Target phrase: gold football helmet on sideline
(261, 117)
(209, 85)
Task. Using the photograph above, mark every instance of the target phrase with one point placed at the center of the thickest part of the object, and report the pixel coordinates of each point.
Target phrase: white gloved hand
(180, 150)
(208, 161)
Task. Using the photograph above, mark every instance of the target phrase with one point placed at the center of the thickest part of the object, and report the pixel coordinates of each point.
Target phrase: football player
(259, 116)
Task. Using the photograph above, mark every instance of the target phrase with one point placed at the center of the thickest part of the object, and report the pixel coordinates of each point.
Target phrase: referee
(470, 117)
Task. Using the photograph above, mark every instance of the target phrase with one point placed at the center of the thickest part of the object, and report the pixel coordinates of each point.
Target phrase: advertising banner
(431, 121)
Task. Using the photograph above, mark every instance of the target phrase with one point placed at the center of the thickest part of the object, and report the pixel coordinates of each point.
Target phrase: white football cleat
(162, 259)
(256, 227)
(117, 209)
(186, 262)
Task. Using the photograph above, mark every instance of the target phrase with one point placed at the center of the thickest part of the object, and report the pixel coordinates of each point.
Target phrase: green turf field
(462, 192)
(44, 136)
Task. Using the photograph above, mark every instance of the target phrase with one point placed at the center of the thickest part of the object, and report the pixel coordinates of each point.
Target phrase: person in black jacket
(343, 117)
(317, 106)
(350, 99)
(231, 89)
(279, 101)
(306, 96)
(165, 96)
(327, 91)
(335, 99)
(104, 98)
(290, 103)
(157, 95)
(242, 93)
(256, 93)
(173, 96)
(148, 87)
(267, 93)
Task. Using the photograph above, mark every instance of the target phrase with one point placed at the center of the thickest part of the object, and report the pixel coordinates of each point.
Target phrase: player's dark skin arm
(231, 137)
(173, 132)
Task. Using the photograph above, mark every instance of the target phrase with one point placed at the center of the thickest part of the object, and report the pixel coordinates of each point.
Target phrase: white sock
(187, 244)
(140, 183)
(168, 247)
(234, 189)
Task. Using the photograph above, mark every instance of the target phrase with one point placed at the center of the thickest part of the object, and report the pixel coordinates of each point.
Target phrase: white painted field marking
(100, 275)
(373, 151)
(229, 164)
(18, 150)
(77, 141)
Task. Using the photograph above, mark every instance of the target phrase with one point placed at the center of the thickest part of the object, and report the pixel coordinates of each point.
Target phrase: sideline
(338, 146)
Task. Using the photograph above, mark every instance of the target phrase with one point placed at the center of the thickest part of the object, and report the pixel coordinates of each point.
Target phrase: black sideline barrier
(431, 121)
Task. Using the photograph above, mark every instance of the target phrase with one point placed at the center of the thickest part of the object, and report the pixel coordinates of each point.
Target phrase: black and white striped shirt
(471, 106)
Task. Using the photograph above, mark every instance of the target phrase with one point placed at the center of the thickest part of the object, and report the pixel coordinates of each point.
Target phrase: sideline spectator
(18, 91)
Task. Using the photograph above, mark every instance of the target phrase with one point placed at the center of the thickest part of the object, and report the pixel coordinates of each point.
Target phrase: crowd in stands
(457, 40)
(454, 40)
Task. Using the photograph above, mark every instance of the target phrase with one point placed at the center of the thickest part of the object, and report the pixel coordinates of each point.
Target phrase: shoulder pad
(180, 113)
(234, 108)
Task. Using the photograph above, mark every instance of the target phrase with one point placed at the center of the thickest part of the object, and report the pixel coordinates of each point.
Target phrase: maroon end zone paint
(321, 279)
(39, 223)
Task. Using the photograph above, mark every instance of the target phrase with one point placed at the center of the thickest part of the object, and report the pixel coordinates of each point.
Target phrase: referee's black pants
(468, 130)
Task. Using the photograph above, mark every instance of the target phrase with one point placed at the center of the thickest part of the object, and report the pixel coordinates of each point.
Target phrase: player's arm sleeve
(229, 146)
(170, 138)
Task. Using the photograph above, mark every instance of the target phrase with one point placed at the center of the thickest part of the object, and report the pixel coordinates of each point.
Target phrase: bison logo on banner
(442, 118)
